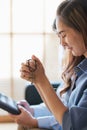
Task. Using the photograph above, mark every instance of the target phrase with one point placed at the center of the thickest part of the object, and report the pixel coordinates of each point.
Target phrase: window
(25, 29)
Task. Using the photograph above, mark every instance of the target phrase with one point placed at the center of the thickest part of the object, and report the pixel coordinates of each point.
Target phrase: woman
(41, 113)
(71, 23)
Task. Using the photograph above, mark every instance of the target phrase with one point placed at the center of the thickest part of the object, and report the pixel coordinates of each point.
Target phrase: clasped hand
(32, 70)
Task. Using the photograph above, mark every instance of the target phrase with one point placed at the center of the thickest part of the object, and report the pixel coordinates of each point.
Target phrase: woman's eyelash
(63, 36)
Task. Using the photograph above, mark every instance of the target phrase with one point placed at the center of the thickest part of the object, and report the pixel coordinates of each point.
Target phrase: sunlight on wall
(26, 29)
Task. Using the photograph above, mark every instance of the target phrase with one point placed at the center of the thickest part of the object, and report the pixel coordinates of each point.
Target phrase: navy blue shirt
(76, 116)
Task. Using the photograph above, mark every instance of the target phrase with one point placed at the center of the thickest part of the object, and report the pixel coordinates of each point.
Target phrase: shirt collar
(81, 67)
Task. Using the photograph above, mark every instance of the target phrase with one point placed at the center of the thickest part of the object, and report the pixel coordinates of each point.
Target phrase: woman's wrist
(35, 123)
(41, 81)
(32, 123)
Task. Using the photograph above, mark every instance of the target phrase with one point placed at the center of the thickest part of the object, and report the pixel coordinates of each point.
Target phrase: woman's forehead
(61, 27)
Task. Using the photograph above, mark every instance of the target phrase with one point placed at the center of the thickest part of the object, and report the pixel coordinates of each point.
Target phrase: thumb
(21, 108)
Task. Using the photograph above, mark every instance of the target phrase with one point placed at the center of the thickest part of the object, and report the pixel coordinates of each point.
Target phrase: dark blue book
(8, 104)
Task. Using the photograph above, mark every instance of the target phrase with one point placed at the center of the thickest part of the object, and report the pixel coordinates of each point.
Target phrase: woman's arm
(45, 89)
(52, 100)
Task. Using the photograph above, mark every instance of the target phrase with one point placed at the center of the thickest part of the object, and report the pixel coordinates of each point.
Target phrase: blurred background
(26, 29)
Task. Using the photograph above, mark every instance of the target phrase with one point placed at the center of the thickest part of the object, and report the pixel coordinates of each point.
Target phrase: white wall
(51, 64)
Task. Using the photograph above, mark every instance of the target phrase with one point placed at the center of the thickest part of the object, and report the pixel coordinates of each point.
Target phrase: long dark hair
(69, 62)
(68, 70)
(73, 15)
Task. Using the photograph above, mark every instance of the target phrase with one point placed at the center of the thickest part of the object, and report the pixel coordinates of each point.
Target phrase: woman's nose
(62, 42)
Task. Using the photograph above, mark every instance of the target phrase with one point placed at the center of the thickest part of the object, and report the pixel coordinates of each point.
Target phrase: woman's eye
(63, 35)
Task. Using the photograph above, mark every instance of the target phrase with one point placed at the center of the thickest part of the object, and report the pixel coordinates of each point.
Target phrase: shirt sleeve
(45, 117)
(48, 122)
(76, 117)
(41, 110)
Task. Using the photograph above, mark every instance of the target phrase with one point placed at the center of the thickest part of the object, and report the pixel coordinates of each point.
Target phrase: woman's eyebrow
(59, 33)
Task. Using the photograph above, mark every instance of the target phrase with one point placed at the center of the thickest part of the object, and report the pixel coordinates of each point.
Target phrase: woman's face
(71, 39)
